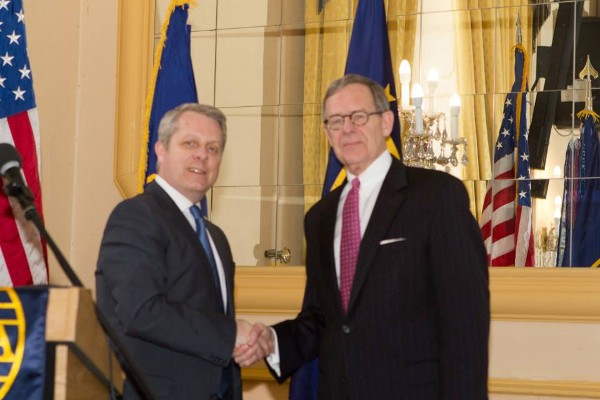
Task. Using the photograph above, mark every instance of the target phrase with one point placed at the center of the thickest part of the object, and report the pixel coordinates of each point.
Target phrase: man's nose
(347, 124)
(201, 153)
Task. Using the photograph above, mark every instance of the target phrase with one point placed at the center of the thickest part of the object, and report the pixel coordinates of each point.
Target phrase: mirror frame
(517, 294)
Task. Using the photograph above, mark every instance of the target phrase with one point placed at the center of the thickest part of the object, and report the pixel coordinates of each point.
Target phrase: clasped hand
(252, 343)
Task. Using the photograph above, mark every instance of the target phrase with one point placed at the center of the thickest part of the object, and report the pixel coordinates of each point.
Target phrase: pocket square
(388, 241)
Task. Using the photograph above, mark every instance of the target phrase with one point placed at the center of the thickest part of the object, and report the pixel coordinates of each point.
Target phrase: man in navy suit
(411, 321)
(168, 297)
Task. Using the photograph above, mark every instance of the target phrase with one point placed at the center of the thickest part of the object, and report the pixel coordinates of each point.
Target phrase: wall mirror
(266, 63)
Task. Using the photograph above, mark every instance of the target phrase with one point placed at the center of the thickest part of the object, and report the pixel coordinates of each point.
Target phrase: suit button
(345, 329)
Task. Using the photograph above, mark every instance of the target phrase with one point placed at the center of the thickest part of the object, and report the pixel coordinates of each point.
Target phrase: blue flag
(173, 83)
(368, 55)
(582, 247)
(23, 318)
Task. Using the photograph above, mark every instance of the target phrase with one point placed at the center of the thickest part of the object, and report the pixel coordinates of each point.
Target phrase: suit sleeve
(146, 300)
(460, 277)
(299, 338)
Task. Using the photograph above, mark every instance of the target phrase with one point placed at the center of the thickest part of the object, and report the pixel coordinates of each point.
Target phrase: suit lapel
(327, 245)
(391, 197)
(168, 206)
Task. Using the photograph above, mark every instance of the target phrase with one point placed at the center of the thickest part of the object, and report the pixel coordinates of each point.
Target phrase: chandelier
(426, 142)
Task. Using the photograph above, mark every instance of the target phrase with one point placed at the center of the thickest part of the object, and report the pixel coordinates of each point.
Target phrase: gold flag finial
(588, 70)
(587, 73)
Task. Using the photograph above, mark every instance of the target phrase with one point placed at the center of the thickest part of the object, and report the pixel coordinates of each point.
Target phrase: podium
(79, 362)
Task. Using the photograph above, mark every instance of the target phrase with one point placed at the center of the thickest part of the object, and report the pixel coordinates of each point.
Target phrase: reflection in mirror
(266, 63)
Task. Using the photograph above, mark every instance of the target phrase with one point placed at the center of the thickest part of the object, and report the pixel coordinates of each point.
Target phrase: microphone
(10, 169)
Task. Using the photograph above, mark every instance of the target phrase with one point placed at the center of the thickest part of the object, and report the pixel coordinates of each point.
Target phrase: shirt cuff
(273, 358)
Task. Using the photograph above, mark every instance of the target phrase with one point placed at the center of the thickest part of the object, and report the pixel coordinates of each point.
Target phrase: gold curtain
(485, 33)
(327, 39)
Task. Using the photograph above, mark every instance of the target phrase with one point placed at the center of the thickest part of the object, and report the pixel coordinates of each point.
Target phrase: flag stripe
(522, 252)
(12, 249)
(25, 144)
(503, 246)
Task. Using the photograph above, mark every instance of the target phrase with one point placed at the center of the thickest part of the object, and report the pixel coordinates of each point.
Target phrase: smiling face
(191, 159)
(357, 146)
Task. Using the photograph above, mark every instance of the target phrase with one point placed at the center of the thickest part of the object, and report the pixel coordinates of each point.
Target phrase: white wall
(73, 55)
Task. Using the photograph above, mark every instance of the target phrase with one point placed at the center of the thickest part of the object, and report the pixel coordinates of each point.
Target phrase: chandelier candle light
(426, 140)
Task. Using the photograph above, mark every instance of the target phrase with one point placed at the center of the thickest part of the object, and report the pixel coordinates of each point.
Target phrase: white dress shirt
(371, 181)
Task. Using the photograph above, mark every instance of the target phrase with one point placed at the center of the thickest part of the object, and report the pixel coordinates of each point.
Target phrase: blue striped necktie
(203, 237)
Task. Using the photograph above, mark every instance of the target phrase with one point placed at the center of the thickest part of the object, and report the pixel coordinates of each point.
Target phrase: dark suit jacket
(417, 324)
(154, 283)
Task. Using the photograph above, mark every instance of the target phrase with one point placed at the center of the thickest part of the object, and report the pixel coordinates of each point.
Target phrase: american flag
(506, 223)
(22, 253)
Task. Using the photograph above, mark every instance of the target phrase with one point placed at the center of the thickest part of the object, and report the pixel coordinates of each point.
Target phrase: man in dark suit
(397, 302)
(168, 296)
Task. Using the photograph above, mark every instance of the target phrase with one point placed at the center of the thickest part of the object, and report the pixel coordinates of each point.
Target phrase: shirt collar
(377, 170)
(182, 202)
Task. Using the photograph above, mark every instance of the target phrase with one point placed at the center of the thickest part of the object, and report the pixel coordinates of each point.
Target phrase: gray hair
(169, 122)
(381, 101)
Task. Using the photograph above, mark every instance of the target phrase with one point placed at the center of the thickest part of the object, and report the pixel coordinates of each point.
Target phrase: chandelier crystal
(425, 141)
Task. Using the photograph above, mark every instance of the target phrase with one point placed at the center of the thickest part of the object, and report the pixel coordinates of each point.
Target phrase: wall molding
(555, 388)
(517, 294)
(545, 294)
(590, 390)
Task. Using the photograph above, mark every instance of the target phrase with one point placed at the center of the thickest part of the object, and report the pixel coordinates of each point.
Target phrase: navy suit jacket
(155, 285)
(417, 323)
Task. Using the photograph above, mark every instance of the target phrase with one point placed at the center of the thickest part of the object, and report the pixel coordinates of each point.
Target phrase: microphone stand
(25, 199)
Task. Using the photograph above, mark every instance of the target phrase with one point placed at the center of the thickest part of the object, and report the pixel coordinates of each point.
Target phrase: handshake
(252, 343)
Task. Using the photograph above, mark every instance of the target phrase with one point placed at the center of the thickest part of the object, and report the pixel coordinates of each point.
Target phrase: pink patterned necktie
(350, 242)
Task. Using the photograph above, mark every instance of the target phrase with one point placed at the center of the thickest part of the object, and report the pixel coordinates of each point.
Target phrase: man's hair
(169, 122)
(381, 101)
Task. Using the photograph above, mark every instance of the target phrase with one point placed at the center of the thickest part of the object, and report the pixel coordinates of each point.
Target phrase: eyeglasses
(358, 118)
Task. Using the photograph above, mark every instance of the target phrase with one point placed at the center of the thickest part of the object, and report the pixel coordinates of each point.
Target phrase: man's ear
(326, 132)
(387, 122)
(159, 149)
